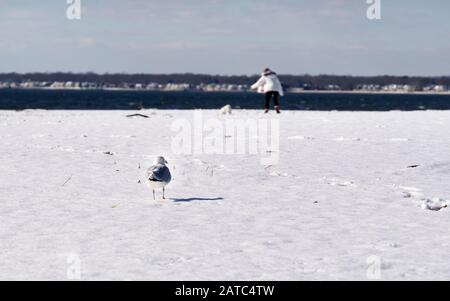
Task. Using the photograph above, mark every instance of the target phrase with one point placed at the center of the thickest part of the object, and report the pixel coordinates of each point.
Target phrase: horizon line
(216, 74)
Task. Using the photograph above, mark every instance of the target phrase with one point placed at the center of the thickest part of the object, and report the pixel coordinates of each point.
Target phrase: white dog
(226, 110)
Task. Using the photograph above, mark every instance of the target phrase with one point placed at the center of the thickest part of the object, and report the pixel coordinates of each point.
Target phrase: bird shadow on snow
(188, 200)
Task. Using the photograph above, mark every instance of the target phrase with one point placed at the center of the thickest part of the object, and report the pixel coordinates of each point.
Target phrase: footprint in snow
(406, 195)
(435, 204)
(337, 182)
(410, 192)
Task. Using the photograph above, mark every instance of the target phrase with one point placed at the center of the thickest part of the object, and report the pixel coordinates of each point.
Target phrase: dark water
(16, 99)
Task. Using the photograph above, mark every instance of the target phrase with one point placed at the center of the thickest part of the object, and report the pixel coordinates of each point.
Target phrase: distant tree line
(346, 82)
(289, 81)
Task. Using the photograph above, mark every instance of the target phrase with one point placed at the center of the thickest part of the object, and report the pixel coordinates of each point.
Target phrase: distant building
(152, 86)
(333, 87)
(440, 88)
(57, 85)
(28, 85)
(368, 87)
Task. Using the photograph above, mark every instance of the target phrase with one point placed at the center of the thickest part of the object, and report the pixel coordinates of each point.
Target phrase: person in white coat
(271, 86)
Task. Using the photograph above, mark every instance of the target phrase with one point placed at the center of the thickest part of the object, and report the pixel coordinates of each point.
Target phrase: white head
(160, 160)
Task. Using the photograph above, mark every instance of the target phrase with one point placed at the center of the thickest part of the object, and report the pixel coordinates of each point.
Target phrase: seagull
(158, 175)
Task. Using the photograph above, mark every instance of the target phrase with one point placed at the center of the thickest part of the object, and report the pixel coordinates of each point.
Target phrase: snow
(72, 187)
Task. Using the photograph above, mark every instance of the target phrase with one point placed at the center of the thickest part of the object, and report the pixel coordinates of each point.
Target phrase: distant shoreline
(251, 92)
(373, 92)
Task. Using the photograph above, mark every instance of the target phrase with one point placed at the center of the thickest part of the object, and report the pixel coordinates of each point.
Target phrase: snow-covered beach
(346, 197)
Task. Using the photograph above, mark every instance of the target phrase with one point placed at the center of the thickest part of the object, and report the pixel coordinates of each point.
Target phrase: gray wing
(159, 173)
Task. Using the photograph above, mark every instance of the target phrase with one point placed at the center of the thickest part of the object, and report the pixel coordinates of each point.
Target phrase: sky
(228, 37)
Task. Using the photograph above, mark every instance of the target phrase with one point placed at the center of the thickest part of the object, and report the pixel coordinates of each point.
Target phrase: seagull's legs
(163, 193)
(154, 194)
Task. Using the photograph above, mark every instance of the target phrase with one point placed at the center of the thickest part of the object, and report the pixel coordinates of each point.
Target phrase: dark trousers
(269, 95)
